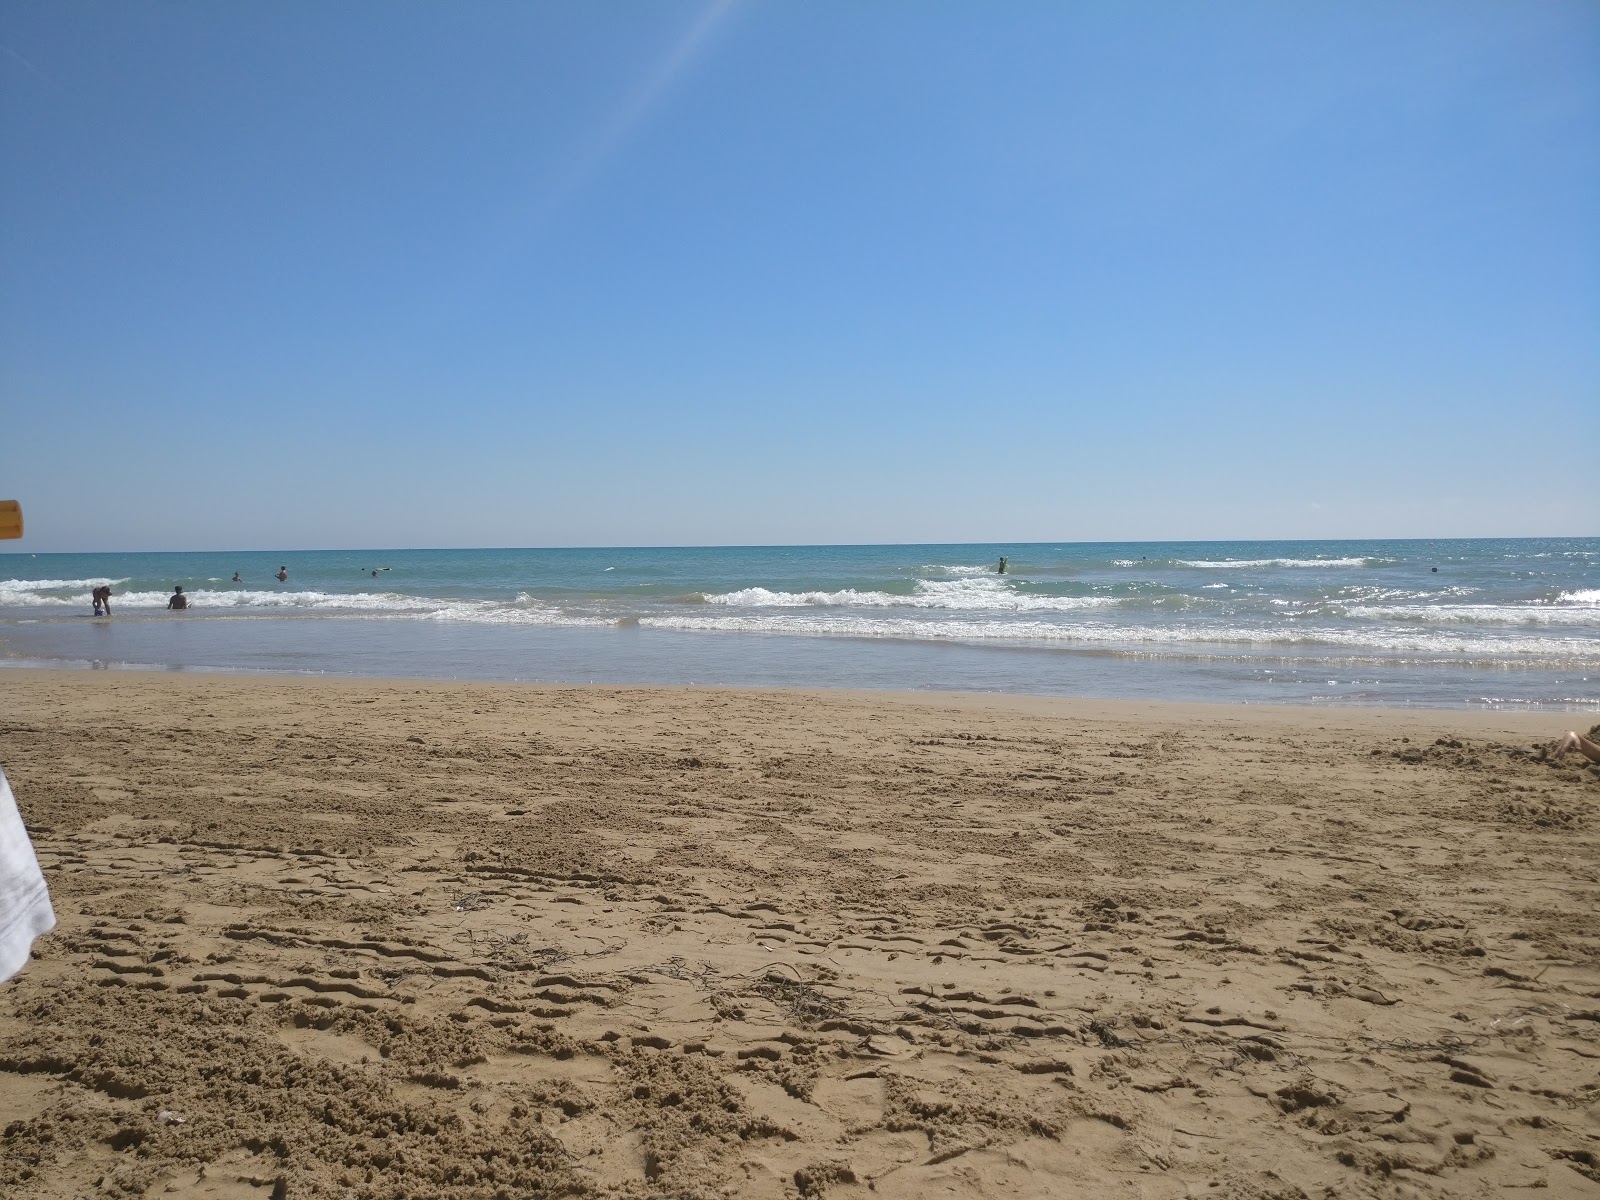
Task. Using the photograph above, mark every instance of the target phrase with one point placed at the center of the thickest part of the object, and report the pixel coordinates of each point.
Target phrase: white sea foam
(27, 598)
(309, 600)
(1588, 596)
(959, 569)
(973, 593)
(245, 598)
(760, 597)
(1208, 563)
(57, 584)
(1474, 614)
(525, 610)
(1383, 642)
(32, 592)
(1370, 595)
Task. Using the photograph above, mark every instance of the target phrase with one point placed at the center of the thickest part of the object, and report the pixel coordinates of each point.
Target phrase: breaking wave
(19, 592)
(970, 593)
(1209, 564)
(1474, 614)
(1103, 633)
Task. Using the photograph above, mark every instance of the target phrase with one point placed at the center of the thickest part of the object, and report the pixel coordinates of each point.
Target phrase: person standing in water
(236, 578)
(283, 574)
(102, 600)
(1002, 564)
(177, 602)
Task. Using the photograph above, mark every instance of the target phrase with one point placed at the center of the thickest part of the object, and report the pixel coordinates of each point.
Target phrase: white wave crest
(973, 593)
(1209, 564)
(760, 597)
(22, 598)
(56, 584)
(249, 598)
(1473, 614)
(525, 610)
(1369, 595)
(1588, 596)
(1384, 642)
(24, 593)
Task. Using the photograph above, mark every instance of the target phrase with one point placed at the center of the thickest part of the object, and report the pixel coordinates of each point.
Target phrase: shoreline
(371, 935)
(1542, 715)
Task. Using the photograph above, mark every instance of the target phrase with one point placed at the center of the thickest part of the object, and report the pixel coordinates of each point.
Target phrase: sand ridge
(351, 939)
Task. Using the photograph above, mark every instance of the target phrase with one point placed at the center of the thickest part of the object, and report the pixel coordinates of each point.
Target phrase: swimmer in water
(283, 574)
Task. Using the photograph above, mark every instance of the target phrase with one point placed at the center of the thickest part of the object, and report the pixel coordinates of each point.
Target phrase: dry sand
(350, 939)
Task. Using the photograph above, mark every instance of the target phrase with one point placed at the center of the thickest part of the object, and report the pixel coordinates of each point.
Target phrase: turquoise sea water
(1439, 623)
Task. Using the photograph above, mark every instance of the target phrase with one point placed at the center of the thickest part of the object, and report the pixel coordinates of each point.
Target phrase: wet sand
(357, 939)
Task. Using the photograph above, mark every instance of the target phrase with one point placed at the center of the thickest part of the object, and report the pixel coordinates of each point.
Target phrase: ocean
(1512, 623)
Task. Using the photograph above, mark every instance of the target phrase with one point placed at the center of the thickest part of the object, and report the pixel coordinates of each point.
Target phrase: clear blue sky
(308, 274)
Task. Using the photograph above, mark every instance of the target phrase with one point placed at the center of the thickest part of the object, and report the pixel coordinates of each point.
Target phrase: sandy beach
(357, 939)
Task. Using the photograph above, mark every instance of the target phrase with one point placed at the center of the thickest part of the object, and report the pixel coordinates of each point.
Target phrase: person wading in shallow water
(283, 574)
(102, 600)
(177, 602)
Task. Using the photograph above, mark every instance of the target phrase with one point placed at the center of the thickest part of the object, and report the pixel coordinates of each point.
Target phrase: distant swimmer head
(1436, 570)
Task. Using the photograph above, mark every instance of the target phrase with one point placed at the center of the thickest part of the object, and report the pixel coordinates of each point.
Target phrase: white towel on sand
(25, 911)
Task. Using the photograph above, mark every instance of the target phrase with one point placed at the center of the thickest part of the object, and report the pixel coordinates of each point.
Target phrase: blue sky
(372, 274)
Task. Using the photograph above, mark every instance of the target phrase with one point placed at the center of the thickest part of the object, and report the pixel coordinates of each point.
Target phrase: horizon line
(815, 545)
